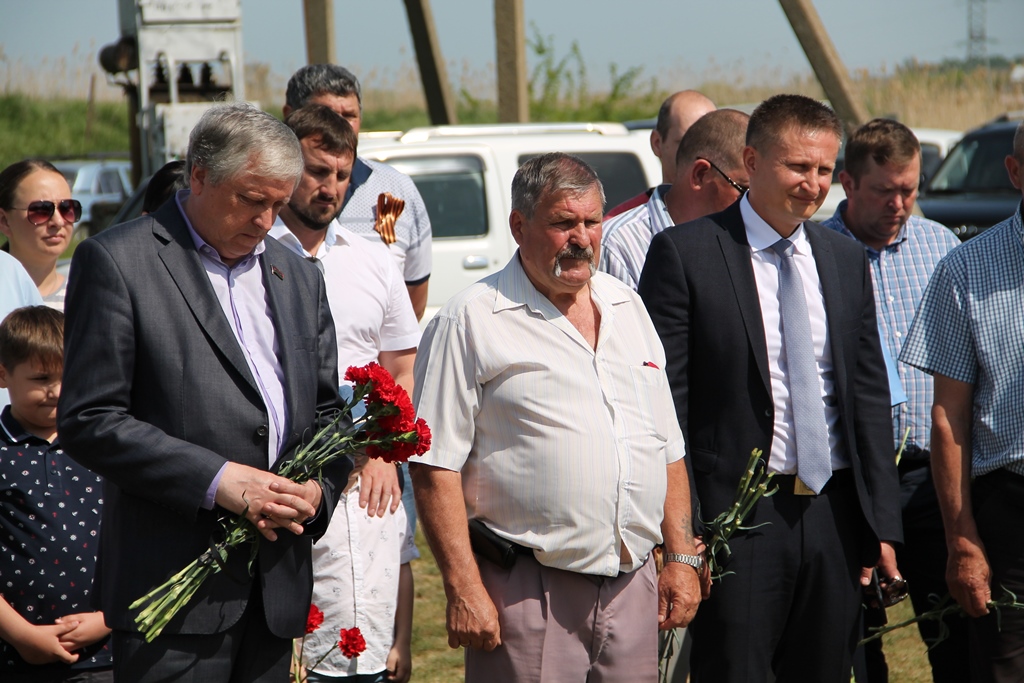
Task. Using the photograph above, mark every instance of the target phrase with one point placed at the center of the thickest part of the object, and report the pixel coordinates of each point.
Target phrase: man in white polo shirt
(374, 318)
(556, 455)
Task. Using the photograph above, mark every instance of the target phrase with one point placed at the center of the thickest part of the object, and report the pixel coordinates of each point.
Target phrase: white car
(464, 174)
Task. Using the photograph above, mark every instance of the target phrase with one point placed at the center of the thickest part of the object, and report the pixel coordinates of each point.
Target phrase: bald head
(709, 166)
(678, 112)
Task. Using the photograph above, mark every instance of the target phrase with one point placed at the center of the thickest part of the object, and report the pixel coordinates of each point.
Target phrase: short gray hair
(321, 79)
(230, 136)
(548, 174)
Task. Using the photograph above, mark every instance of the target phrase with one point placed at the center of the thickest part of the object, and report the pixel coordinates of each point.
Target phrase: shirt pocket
(653, 400)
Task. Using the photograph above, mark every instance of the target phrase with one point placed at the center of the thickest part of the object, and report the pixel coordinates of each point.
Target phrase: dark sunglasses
(41, 211)
(739, 188)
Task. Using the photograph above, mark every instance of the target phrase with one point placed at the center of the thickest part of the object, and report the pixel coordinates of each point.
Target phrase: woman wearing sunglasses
(37, 215)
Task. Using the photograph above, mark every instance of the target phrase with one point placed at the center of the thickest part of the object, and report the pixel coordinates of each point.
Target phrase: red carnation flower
(314, 620)
(423, 436)
(351, 643)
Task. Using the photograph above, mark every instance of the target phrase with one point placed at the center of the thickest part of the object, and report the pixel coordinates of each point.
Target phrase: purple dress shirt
(243, 298)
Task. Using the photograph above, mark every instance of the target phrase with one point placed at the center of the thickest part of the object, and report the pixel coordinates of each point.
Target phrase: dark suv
(971, 191)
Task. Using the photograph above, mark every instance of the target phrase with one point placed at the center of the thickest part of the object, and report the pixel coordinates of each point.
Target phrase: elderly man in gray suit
(197, 355)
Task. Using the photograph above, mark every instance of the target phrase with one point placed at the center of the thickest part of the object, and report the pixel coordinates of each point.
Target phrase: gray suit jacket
(157, 396)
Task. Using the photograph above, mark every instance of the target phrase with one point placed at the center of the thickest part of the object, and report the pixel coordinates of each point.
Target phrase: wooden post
(319, 18)
(90, 109)
(433, 73)
(824, 59)
(513, 99)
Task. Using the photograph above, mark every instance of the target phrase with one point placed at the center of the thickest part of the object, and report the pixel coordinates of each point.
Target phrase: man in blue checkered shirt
(881, 177)
(969, 334)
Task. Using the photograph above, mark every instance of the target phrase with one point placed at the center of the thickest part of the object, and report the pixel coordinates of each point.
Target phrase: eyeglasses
(739, 188)
(41, 211)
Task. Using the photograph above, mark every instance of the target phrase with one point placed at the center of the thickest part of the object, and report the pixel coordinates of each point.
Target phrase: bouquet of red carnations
(389, 430)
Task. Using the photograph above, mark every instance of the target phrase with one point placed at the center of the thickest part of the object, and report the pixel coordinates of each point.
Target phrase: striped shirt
(627, 237)
(411, 251)
(900, 273)
(562, 448)
(970, 328)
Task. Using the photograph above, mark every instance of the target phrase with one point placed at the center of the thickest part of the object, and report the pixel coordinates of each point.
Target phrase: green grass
(434, 662)
(32, 127)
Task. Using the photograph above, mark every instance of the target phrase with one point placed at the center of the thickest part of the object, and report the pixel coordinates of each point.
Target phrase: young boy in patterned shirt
(49, 519)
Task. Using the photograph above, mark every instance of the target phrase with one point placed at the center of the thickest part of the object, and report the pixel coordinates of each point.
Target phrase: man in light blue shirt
(881, 178)
(16, 290)
(969, 334)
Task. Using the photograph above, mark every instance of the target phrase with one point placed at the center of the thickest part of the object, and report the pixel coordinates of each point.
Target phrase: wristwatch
(695, 561)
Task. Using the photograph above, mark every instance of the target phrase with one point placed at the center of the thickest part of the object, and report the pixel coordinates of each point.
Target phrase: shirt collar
(840, 224)
(13, 431)
(360, 174)
(1018, 223)
(282, 234)
(761, 236)
(201, 245)
(514, 289)
(657, 211)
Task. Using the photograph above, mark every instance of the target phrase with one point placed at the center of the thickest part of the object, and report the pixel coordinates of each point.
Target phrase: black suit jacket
(698, 285)
(156, 397)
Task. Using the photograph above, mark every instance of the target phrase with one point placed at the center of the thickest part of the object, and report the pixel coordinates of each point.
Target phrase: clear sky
(668, 38)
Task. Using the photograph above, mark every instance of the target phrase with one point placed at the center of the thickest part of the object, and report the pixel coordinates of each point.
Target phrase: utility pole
(824, 59)
(433, 73)
(977, 39)
(319, 18)
(513, 99)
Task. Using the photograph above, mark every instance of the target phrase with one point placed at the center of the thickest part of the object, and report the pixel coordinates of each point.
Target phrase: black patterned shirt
(50, 509)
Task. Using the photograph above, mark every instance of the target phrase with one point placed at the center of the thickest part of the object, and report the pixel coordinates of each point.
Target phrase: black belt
(790, 483)
(914, 458)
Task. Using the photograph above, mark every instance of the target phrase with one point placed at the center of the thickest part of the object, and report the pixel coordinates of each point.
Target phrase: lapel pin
(276, 271)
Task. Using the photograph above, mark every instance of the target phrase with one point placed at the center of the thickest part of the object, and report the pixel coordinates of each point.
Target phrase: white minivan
(464, 174)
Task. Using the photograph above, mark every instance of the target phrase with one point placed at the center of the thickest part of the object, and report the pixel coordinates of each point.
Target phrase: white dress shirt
(369, 302)
(761, 237)
(562, 448)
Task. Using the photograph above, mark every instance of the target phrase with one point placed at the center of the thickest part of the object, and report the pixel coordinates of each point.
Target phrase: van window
(452, 188)
(621, 173)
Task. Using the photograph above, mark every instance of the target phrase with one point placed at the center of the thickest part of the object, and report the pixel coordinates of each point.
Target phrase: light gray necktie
(813, 459)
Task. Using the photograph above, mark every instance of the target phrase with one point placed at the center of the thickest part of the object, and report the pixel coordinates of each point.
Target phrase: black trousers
(997, 654)
(247, 652)
(922, 562)
(791, 608)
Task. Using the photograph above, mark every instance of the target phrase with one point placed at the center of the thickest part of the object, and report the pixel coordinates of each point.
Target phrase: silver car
(105, 183)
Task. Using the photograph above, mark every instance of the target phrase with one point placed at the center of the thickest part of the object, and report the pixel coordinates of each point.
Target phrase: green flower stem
(946, 608)
(753, 486)
(328, 444)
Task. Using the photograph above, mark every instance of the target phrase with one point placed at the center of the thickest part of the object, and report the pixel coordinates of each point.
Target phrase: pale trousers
(560, 627)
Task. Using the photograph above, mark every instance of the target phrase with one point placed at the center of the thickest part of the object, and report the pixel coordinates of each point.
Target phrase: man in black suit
(768, 324)
(197, 355)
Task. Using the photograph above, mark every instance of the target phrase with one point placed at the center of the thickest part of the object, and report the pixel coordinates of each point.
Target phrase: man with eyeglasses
(677, 113)
(709, 177)
(768, 324)
(881, 178)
